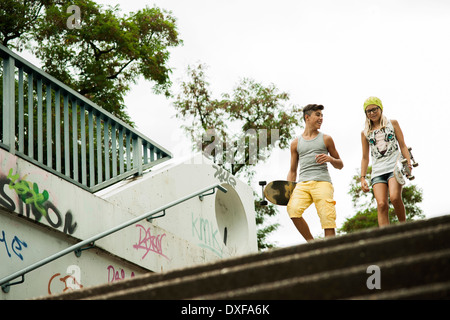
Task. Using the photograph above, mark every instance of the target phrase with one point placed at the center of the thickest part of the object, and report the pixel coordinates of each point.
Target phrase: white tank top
(383, 149)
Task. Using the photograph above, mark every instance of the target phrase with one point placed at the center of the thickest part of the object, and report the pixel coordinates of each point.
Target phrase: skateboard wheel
(263, 203)
(262, 183)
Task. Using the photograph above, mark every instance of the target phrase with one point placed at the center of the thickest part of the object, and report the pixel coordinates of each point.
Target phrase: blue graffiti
(16, 245)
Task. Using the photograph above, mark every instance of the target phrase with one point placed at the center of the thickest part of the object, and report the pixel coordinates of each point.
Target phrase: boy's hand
(322, 158)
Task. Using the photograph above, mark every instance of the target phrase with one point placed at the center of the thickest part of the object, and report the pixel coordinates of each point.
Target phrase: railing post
(44, 133)
(137, 154)
(9, 104)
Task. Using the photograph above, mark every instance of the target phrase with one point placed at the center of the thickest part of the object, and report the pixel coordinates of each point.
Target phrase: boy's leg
(323, 199)
(299, 202)
(330, 232)
(303, 228)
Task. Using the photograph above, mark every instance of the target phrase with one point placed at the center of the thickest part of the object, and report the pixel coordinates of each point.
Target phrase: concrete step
(403, 272)
(434, 291)
(291, 266)
(287, 270)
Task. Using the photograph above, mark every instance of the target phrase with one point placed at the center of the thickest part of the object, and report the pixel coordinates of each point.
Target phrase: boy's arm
(333, 156)
(292, 174)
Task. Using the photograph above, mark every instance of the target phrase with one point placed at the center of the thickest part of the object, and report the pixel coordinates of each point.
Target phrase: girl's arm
(364, 162)
(401, 141)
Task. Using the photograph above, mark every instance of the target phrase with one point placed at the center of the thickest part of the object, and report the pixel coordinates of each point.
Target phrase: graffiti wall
(41, 214)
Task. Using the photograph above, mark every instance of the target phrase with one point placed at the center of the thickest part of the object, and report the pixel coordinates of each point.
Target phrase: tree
(365, 204)
(105, 55)
(264, 228)
(17, 20)
(240, 129)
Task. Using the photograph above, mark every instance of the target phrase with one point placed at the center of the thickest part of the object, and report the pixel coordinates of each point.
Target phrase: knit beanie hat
(373, 100)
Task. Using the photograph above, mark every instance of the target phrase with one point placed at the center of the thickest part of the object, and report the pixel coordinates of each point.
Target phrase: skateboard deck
(278, 192)
(401, 170)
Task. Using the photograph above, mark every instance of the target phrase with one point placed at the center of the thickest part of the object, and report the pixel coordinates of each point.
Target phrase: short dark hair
(307, 110)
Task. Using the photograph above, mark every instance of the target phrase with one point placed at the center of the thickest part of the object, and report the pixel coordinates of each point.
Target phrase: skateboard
(402, 170)
(278, 192)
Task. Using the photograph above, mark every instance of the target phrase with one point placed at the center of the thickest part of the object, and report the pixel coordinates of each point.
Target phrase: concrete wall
(41, 214)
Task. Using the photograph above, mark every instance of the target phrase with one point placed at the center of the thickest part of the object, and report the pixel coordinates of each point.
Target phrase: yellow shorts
(318, 192)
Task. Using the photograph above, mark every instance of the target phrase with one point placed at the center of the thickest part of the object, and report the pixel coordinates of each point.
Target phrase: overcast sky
(335, 53)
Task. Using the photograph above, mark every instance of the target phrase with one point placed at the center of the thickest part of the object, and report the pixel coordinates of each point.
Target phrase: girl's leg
(380, 192)
(395, 194)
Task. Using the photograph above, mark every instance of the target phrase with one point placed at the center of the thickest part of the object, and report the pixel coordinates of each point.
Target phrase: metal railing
(4, 283)
(58, 129)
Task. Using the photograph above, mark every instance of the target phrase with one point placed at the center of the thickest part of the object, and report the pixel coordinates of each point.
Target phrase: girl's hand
(364, 185)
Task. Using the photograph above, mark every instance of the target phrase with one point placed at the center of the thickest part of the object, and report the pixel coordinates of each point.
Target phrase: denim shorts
(383, 178)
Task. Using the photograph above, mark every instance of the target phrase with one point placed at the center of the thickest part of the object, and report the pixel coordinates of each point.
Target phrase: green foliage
(103, 57)
(17, 20)
(264, 229)
(366, 206)
(361, 220)
(251, 107)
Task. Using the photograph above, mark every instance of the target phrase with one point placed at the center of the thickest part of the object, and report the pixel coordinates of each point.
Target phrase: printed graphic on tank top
(383, 149)
(383, 142)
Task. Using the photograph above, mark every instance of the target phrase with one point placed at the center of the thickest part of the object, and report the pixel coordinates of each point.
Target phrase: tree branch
(114, 76)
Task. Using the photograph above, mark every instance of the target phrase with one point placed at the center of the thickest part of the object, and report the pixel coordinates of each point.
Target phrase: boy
(312, 150)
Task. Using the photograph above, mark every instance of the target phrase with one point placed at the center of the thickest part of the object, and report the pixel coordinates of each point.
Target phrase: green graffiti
(28, 192)
(204, 231)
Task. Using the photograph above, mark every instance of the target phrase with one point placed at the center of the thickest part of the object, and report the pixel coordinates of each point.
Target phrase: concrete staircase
(413, 260)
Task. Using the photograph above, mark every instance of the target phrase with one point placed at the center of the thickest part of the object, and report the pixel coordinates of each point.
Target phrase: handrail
(51, 125)
(4, 283)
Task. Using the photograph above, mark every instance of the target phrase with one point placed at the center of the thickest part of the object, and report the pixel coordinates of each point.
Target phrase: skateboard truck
(407, 171)
(263, 202)
(402, 169)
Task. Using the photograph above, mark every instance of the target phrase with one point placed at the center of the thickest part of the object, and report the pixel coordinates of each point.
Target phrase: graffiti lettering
(114, 275)
(16, 245)
(149, 242)
(31, 200)
(28, 193)
(70, 282)
(204, 231)
(224, 176)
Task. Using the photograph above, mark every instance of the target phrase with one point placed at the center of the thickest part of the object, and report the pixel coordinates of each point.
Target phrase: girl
(384, 138)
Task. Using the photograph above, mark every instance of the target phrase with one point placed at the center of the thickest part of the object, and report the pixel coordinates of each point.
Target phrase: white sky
(335, 53)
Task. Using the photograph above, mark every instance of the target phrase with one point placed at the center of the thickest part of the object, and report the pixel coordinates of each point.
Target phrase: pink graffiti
(114, 275)
(149, 242)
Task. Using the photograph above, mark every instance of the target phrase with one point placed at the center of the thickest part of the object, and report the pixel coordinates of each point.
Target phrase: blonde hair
(368, 128)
